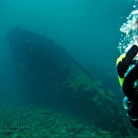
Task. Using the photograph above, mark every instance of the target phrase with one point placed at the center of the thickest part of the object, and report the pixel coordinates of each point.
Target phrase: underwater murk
(46, 93)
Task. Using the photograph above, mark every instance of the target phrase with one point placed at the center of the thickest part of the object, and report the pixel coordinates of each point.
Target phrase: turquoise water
(58, 80)
(80, 26)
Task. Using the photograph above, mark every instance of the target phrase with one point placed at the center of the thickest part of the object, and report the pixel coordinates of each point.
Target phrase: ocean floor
(39, 122)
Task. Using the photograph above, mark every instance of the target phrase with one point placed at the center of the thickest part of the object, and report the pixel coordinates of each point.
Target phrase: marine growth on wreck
(49, 73)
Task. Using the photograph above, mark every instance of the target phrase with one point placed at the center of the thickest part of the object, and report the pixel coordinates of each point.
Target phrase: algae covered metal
(49, 73)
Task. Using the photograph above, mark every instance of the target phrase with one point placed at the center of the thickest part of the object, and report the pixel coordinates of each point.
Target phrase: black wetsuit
(122, 68)
(123, 65)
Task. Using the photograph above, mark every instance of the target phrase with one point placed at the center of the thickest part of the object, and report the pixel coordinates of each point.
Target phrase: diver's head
(134, 123)
(133, 111)
(132, 108)
(133, 114)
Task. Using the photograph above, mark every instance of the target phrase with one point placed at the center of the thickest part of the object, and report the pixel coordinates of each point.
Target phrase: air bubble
(129, 32)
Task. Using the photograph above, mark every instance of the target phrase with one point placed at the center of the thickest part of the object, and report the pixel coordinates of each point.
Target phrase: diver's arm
(131, 54)
(123, 65)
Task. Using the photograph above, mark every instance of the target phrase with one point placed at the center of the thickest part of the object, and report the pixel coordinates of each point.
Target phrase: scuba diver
(127, 68)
